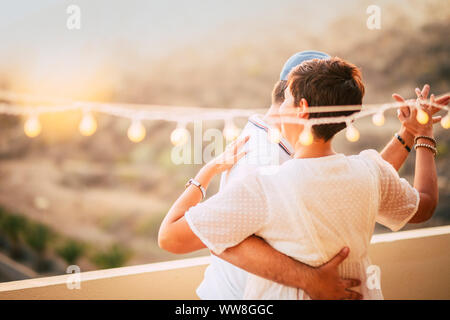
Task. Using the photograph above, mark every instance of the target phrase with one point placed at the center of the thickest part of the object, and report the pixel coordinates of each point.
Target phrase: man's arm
(256, 256)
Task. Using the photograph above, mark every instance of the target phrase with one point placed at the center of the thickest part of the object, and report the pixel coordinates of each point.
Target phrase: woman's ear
(303, 108)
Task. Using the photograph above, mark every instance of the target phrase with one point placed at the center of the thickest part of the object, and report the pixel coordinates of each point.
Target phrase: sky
(153, 25)
(36, 43)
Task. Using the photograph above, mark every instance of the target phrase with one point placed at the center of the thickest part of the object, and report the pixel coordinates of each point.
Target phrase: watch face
(192, 181)
(188, 183)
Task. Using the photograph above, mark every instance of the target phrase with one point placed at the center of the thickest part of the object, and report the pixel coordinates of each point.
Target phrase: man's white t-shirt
(222, 280)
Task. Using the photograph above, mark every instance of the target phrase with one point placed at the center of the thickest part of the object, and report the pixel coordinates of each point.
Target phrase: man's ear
(304, 109)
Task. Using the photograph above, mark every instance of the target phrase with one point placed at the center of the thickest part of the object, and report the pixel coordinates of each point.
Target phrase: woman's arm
(425, 181)
(425, 176)
(175, 235)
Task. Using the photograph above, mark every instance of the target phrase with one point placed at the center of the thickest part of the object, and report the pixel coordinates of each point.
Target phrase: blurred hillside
(110, 195)
(230, 69)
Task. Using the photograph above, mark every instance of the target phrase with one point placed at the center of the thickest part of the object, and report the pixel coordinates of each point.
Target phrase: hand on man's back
(327, 284)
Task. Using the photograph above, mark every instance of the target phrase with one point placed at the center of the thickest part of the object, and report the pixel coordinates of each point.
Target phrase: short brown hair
(278, 92)
(327, 82)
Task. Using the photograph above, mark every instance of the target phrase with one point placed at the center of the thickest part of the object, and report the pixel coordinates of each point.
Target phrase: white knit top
(308, 209)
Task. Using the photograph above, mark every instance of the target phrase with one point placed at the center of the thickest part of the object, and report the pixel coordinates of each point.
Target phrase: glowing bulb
(306, 137)
(179, 136)
(378, 119)
(422, 116)
(88, 125)
(136, 132)
(230, 132)
(445, 121)
(352, 134)
(32, 127)
(274, 135)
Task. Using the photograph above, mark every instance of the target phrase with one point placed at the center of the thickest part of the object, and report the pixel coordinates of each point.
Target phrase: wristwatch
(198, 185)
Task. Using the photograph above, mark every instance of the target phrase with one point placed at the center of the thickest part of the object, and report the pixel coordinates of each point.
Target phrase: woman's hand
(227, 159)
(408, 118)
(221, 163)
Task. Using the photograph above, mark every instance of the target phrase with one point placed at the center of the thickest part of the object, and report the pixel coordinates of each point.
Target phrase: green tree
(71, 251)
(114, 257)
(38, 236)
(13, 226)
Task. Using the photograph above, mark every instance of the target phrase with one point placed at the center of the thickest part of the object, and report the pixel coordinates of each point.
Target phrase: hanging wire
(185, 113)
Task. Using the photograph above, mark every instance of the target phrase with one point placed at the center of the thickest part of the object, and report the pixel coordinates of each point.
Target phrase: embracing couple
(302, 230)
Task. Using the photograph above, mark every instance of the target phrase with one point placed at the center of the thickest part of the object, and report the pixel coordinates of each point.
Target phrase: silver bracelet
(424, 145)
(198, 185)
(425, 137)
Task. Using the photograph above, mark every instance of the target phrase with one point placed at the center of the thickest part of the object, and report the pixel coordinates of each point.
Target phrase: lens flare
(445, 122)
(378, 119)
(274, 135)
(422, 116)
(179, 136)
(32, 127)
(136, 132)
(88, 125)
(230, 132)
(306, 137)
(352, 134)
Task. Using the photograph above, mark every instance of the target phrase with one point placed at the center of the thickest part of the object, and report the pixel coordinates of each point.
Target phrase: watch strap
(198, 185)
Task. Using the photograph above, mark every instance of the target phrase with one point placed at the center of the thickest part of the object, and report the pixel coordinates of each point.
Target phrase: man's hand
(326, 284)
(256, 256)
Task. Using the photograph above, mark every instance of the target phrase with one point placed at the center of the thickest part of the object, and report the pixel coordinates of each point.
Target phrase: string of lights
(32, 107)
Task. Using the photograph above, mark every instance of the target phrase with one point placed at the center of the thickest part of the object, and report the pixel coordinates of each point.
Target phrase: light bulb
(352, 133)
(445, 121)
(274, 135)
(179, 136)
(230, 132)
(32, 127)
(88, 125)
(136, 132)
(422, 117)
(306, 137)
(378, 119)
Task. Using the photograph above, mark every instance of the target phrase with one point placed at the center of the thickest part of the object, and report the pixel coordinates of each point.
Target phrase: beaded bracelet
(402, 142)
(425, 137)
(424, 145)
